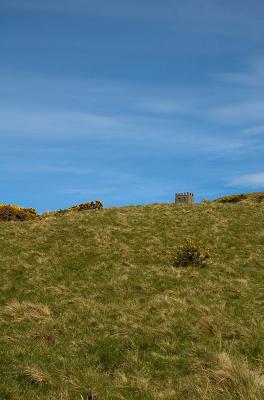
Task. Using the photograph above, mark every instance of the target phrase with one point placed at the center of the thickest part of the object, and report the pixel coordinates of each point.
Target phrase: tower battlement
(184, 197)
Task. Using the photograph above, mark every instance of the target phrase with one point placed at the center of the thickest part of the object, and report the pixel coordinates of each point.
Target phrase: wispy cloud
(167, 106)
(36, 168)
(172, 118)
(253, 75)
(250, 180)
(255, 130)
(194, 15)
(242, 99)
(47, 5)
(80, 191)
(34, 122)
(240, 112)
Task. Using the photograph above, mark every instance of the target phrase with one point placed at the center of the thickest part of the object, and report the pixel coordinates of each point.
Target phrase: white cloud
(250, 180)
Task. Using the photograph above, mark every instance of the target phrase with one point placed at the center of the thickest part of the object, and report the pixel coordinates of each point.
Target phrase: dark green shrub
(259, 198)
(192, 252)
(16, 213)
(235, 198)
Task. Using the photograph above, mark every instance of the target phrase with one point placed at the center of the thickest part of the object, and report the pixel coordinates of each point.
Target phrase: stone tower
(184, 198)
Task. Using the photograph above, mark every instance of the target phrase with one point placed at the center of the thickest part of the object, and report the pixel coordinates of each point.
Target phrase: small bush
(192, 252)
(16, 213)
(259, 198)
(91, 205)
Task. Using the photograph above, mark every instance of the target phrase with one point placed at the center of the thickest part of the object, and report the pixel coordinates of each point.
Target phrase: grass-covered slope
(255, 197)
(91, 307)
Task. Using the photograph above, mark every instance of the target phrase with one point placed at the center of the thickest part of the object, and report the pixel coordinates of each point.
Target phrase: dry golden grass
(48, 338)
(35, 376)
(28, 311)
(235, 378)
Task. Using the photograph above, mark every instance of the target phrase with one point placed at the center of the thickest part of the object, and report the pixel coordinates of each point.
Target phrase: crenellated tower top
(184, 197)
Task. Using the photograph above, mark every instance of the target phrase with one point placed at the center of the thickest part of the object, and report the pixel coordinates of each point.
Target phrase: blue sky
(130, 101)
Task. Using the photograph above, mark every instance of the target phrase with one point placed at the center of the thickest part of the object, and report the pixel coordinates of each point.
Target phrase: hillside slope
(92, 308)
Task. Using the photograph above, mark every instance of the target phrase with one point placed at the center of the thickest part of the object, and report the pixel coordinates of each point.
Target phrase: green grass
(92, 308)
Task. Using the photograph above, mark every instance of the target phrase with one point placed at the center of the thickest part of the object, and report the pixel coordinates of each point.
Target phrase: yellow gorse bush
(192, 252)
(16, 213)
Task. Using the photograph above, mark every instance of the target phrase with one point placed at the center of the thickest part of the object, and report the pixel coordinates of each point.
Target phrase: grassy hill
(91, 306)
